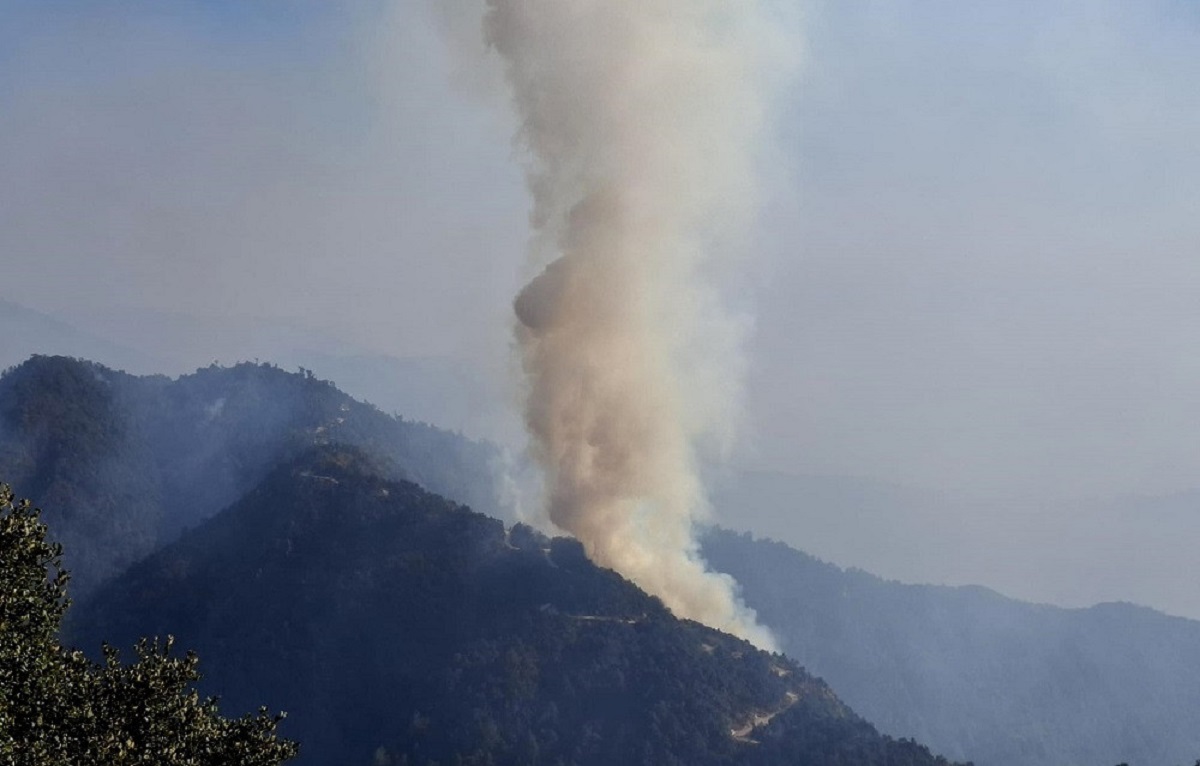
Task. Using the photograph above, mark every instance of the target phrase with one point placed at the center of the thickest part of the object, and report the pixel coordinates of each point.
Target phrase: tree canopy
(57, 707)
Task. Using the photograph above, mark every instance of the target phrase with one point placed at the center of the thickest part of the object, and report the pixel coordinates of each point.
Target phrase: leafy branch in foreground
(57, 707)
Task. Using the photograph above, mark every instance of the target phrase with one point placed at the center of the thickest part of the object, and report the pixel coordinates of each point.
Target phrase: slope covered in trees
(398, 627)
(124, 463)
(976, 675)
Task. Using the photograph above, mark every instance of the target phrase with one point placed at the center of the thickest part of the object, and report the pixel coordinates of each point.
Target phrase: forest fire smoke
(640, 118)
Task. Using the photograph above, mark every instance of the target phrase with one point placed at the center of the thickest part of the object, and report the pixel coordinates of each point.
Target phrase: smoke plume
(639, 118)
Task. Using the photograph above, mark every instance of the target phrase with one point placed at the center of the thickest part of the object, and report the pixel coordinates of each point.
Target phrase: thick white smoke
(640, 118)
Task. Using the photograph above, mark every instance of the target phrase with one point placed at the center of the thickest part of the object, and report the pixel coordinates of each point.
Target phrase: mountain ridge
(976, 674)
(387, 617)
(126, 462)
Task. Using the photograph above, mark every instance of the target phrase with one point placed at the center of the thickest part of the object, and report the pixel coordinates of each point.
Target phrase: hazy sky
(274, 159)
(977, 268)
(990, 278)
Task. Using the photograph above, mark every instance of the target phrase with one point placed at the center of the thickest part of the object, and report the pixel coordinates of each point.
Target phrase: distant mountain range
(1122, 548)
(25, 332)
(264, 517)
(977, 675)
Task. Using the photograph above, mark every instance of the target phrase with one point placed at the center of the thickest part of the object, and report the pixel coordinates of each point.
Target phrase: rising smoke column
(639, 118)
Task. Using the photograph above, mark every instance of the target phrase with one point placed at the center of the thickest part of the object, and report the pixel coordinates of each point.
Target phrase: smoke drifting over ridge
(640, 118)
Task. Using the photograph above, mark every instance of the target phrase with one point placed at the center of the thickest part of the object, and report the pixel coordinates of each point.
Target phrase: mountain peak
(387, 619)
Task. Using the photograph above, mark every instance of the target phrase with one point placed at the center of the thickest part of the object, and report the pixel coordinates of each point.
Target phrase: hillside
(976, 675)
(124, 463)
(398, 627)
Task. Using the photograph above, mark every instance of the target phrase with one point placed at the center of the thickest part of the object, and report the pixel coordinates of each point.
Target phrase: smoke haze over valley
(971, 281)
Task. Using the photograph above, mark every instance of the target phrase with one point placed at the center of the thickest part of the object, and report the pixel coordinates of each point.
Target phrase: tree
(57, 707)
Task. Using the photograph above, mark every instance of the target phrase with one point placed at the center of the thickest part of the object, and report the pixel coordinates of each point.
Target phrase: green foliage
(58, 708)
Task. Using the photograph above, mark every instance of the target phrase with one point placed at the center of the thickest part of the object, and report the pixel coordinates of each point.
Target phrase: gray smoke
(640, 119)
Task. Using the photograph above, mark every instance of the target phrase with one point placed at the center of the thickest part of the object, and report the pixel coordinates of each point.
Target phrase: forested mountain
(123, 463)
(398, 627)
(977, 675)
